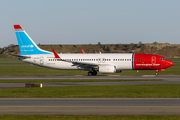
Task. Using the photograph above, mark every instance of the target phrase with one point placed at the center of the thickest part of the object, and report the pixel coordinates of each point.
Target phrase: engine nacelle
(107, 69)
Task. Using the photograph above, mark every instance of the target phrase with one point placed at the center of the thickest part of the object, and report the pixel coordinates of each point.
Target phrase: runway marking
(91, 106)
(148, 75)
(113, 75)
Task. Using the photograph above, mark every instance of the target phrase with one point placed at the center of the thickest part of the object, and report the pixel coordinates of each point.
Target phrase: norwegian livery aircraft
(102, 63)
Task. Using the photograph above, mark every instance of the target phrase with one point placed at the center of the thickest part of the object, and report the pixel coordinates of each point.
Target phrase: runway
(81, 77)
(90, 106)
(59, 84)
(171, 79)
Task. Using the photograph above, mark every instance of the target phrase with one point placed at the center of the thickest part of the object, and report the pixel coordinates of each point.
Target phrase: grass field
(97, 91)
(17, 68)
(88, 117)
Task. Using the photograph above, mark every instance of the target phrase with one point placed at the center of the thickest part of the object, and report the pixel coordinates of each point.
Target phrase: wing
(84, 64)
(76, 63)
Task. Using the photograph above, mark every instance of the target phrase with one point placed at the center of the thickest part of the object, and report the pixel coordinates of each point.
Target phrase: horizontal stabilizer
(22, 56)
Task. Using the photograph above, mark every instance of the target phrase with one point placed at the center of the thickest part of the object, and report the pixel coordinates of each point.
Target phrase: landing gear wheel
(94, 73)
(157, 73)
(89, 73)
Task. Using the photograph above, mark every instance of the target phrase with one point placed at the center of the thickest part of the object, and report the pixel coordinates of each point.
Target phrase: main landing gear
(94, 73)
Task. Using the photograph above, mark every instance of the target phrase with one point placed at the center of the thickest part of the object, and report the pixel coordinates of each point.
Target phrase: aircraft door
(99, 60)
(103, 60)
(153, 60)
(41, 60)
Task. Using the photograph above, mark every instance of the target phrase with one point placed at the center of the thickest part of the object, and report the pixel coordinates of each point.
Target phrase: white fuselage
(122, 61)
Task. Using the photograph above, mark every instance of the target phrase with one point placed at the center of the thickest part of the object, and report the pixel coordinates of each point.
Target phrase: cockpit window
(163, 59)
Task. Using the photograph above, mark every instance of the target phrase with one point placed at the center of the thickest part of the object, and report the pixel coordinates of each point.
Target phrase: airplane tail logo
(26, 44)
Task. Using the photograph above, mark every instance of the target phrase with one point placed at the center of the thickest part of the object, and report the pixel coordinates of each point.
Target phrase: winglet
(82, 51)
(55, 54)
(17, 27)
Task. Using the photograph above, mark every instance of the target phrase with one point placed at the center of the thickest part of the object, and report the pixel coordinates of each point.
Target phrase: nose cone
(170, 63)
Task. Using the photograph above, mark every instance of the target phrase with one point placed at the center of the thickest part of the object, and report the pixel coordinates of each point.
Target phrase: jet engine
(107, 69)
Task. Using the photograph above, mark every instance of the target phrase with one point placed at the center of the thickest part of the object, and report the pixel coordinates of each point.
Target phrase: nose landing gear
(157, 73)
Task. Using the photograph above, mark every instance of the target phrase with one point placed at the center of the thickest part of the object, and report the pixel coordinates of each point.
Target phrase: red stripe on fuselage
(150, 62)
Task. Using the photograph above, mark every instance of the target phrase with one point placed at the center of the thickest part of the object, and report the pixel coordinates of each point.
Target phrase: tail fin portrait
(26, 44)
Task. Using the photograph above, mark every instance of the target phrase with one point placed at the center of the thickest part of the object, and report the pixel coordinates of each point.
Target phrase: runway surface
(167, 79)
(90, 106)
(22, 85)
(80, 77)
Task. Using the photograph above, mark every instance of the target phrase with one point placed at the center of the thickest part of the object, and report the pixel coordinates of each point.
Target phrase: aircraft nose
(170, 63)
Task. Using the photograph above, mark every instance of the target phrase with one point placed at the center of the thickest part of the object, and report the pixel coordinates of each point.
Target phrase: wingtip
(55, 54)
(17, 27)
(82, 51)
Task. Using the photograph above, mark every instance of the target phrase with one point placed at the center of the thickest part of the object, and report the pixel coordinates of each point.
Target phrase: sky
(91, 21)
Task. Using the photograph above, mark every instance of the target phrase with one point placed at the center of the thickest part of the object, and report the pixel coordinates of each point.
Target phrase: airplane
(92, 62)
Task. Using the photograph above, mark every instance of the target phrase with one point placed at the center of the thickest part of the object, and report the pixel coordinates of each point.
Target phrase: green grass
(9, 59)
(173, 59)
(60, 81)
(97, 91)
(9, 64)
(89, 117)
(36, 70)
